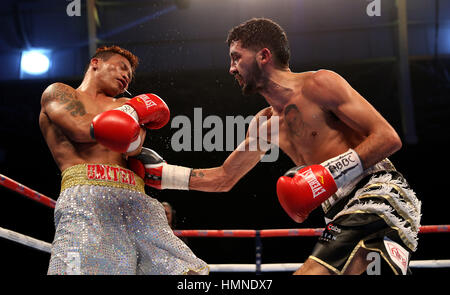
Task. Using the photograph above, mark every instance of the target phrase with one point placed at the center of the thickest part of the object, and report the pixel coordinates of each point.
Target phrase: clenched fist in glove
(118, 129)
(304, 188)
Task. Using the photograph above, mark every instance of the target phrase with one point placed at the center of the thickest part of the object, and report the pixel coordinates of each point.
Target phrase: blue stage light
(35, 62)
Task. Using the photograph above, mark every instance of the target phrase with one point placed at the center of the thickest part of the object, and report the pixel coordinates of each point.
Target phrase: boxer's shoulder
(59, 86)
(58, 91)
(319, 77)
(324, 87)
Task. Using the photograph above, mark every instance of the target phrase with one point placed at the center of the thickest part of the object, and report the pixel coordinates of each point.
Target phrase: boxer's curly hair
(258, 33)
(106, 52)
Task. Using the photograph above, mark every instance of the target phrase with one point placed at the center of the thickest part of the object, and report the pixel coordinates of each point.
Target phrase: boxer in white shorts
(105, 223)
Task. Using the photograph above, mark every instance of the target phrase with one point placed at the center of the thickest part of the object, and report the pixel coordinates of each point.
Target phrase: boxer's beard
(254, 74)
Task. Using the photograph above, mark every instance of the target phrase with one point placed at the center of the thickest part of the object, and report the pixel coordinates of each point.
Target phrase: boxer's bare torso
(309, 133)
(320, 116)
(65, 119)
(67, 113)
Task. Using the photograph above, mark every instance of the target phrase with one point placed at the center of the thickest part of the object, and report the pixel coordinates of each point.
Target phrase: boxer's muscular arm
(223, 178)
(238, 163)
(335, 94)
(60, 104)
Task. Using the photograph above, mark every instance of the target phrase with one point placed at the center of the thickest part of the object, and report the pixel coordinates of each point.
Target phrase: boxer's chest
(305, 130)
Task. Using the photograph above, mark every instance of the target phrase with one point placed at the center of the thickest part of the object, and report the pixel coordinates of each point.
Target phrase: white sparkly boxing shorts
(107, 225)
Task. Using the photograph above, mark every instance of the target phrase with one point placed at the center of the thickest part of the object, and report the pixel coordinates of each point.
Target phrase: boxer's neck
(90, 87)
(277, 87)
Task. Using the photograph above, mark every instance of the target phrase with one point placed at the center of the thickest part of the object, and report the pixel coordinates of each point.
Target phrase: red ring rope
(235, 233)
(26, 191)
(291, 232)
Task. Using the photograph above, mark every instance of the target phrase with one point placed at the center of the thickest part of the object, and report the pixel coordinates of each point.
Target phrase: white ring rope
(267, 267)
(25, 240)
(280, 267)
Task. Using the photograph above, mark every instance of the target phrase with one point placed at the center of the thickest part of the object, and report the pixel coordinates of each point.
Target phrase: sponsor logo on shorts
(108, 173)
(398, 254)
(329, 233)
(316, 188)
(327, 237)
(332, 227)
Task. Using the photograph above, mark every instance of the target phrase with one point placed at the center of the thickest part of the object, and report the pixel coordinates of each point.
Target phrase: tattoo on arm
(64, 96)
(197, 174)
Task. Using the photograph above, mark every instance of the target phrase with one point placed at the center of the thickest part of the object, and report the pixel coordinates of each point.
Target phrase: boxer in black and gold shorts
(380, 214)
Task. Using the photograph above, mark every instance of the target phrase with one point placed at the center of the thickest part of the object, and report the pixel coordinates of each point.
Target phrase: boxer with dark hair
(339, 143)
(105, 223)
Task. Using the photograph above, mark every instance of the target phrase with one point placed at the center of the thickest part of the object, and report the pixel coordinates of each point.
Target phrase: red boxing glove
(116, 130)
(303, 189)
(301, 192)
(148, 165)
(151, 110)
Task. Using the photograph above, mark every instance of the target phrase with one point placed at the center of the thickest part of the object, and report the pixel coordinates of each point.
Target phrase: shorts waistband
(103, 175)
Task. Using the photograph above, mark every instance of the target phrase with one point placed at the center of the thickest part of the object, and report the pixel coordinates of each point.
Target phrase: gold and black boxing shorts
(382, 215)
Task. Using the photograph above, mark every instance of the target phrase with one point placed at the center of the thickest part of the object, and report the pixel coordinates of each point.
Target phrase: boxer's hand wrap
(344, 168)
(175, 177)
(157, 173)
(302, 189)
